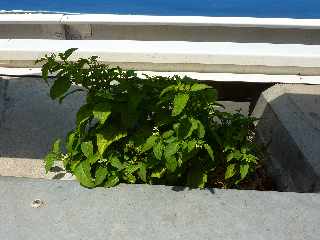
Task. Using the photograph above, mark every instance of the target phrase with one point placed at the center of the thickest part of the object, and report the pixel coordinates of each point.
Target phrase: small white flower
(114, 83)
(64, 156)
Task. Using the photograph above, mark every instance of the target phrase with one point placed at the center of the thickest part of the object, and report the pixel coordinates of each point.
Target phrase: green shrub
(156, 130)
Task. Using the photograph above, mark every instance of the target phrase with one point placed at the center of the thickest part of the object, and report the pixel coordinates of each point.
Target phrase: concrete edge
(216, 77)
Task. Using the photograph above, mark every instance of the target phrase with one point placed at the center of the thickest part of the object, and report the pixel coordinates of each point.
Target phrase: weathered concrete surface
(30, 121)
(140, 212)
(173, 56)
(32, 168)
(32, 31)
(290, 129)
(164, 28)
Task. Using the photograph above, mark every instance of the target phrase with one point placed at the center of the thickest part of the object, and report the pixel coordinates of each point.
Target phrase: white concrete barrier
(160, 28)
(30, 18)
(46, 26)
(173, 56)
(114, 19)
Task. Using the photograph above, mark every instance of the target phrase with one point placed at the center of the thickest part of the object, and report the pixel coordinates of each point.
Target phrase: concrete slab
(290, 129)
(65, 210)
(29, 120)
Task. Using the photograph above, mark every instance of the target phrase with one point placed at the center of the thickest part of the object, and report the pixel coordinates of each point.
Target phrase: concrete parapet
(289, 127)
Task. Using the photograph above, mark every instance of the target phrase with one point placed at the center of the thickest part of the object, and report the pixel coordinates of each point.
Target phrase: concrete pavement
(65, 210)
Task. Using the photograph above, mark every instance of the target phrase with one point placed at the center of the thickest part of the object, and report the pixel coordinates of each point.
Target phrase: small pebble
(37, 203)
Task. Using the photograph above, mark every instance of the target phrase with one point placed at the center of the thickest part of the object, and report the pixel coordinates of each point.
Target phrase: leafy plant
(150, 129)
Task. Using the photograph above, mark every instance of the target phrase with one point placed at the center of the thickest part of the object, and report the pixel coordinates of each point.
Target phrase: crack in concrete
(4, 99)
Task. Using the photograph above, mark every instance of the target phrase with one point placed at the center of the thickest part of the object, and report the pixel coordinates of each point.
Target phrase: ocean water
(235, 8)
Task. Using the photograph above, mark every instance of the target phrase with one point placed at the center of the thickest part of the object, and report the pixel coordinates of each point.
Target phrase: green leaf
(142, 173)
(209, 150)
(191, 145)
(70, 141)
(84, 113)
(179, 103)
(169, 152)
(168, 89)
(70, 93)
(197, 177)
(194, 126)
(183, 129)
(244, 169)
(167, 134)
(59, 87)
(251, 158)
(230, 171)
(87, 149)
(229, 157)
(115, 162)
(68, 53)
(201, 130)
(94, 158)
(131, 168)
(171, 163)
(83, 175)
(56, 146)
(157, 150)
(171, 139)
(102, 111)
(101, 175)
(158, 173)
(211, 96)
(237, 155)
(112, 181)
(186, 127)
(134, 98)
(171, 149)
(130, 178)
(49, 161)
(149, 143)
(107, 136)
(45, 72)
(105, 94)
(198, 87)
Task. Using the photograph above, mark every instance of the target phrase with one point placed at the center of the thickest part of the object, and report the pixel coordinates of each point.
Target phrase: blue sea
(226, 8)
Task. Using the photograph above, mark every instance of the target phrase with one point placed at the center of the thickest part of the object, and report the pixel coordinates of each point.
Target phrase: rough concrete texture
(155, 32)
(290, 129)
(32, 31)
(30, 121)
(32, 168)
(66, 210)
